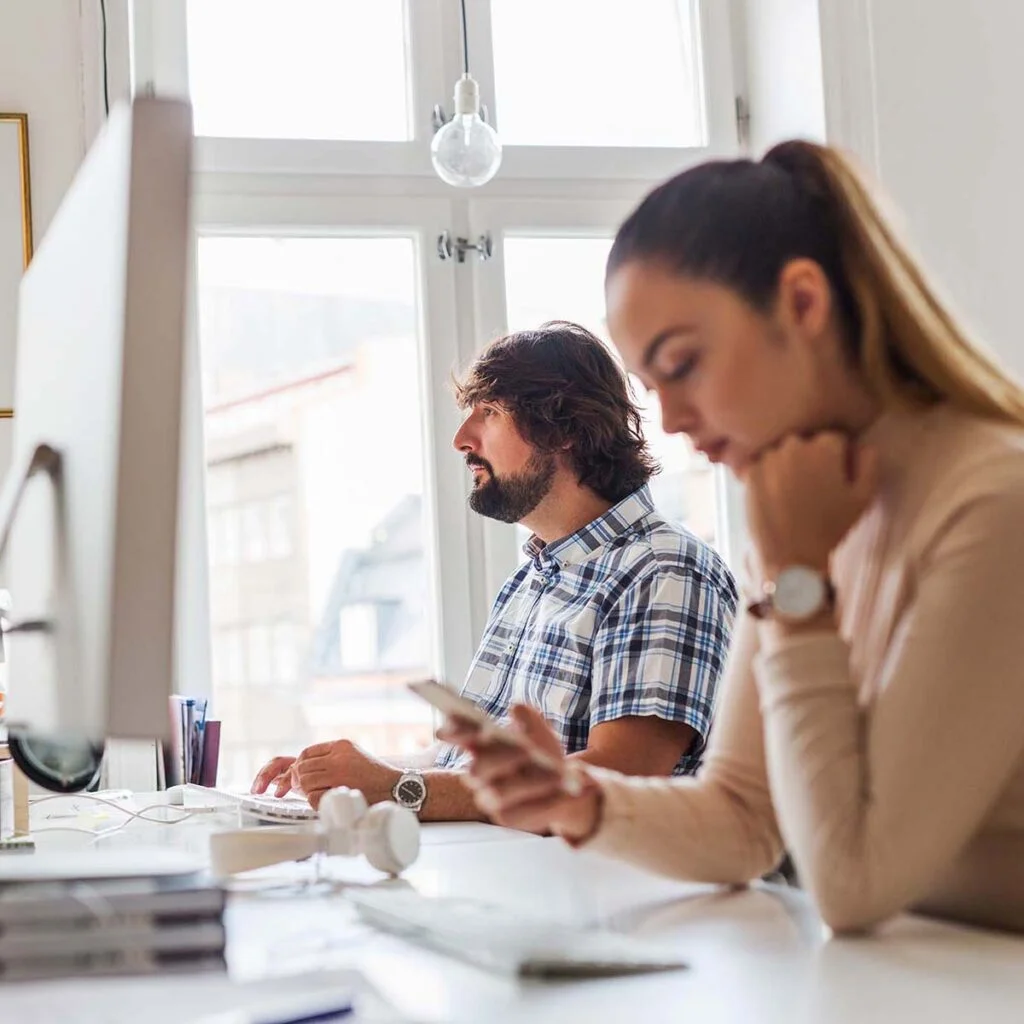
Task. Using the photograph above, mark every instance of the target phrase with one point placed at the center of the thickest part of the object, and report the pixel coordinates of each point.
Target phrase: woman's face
(733, 379)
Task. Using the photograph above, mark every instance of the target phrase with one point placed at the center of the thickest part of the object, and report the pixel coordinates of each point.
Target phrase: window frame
(338, 189)
(161, 67)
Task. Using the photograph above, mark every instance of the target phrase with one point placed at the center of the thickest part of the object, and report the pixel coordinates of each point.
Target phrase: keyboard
(503, 940)
(277, 810)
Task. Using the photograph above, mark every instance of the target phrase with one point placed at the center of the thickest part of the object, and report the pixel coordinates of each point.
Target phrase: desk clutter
(386, 834)
(195, 743)
(111, 926)
(13, 799)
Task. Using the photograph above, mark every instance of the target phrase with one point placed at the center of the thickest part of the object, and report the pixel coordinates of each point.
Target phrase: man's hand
(277, 773)
(324, 766)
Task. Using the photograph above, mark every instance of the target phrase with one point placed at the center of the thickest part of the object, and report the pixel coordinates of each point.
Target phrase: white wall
(40, 75)
(927, 91)
(50, 61)
(782, 40)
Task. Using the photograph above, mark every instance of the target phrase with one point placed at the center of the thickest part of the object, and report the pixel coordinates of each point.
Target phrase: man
(615, 626)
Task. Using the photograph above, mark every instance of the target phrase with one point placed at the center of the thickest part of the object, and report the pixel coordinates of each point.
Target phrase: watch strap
(764, 607)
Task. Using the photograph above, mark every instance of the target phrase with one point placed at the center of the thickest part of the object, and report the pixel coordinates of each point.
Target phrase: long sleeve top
(887, 754)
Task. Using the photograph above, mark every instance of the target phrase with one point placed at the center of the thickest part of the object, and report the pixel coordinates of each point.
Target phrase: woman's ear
(804, 301)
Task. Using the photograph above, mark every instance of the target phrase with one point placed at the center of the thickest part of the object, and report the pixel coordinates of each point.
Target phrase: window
(257, 655)
(357, 637)
(254, 538)
(279, 527)
(224, 535)
(341, 557)
(228, 657)
(308, 69)
(311, 369)
(550, 278)
(287, 663)
(632, 79)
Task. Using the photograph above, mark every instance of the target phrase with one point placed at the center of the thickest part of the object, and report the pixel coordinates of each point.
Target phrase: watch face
(800, 592)
(410, 792)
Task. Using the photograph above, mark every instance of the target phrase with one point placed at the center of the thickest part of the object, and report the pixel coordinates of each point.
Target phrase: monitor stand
(59, 765)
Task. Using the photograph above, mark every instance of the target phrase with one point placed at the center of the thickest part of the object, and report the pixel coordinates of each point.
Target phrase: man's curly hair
(566, 394)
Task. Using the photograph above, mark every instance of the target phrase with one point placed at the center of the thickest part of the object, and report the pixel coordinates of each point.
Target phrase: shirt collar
(579, 546)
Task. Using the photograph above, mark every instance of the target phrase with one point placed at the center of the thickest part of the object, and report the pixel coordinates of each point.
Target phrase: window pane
(314, 463)
(305, 69)
(357, 635)
(631, 78)
(562, 279)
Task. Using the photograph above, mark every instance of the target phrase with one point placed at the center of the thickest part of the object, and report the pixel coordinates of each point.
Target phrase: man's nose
(463, 441)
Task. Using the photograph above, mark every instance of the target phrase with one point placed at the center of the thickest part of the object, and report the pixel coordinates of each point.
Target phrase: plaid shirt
(628, 616)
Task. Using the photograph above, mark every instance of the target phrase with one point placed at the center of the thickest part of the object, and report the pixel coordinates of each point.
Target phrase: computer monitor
(92, 553)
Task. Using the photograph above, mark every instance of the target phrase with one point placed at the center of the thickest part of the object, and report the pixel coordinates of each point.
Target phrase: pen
(334, 1013)
(306, 1010)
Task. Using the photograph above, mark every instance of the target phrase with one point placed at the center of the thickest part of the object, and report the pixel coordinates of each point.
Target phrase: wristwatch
(797, 594)
(410, 790)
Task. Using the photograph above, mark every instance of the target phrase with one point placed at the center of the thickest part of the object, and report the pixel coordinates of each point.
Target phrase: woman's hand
(512, 789)
(804, 495)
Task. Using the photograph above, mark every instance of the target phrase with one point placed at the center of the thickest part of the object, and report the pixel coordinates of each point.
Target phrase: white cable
(84, 831)
(140, 814)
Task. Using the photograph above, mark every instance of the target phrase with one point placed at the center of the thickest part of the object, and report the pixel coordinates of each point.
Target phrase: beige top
(887, 756)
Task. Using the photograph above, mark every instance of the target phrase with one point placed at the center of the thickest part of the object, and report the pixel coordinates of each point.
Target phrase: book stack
(111, 926)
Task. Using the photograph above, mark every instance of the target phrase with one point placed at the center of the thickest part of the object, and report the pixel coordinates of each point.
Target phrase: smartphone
(451, 703)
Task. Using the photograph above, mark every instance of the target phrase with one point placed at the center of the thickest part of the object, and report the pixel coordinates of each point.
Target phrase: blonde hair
(738, 223)
(910, 348)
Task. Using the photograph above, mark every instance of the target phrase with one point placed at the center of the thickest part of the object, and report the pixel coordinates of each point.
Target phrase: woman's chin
(736, 462)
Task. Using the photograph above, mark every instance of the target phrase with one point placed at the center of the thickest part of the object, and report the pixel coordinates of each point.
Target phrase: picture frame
(15, 232)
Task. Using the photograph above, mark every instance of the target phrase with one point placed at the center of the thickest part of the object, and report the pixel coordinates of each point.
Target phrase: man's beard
(513, 497)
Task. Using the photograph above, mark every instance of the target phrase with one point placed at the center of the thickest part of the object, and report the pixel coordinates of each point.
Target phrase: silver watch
(410, 790)
(797, 594)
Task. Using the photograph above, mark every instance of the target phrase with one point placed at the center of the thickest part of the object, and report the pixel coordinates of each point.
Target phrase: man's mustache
(475, 460)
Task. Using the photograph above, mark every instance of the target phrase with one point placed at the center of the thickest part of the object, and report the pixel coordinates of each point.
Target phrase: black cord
(465, 39)
(106, 78)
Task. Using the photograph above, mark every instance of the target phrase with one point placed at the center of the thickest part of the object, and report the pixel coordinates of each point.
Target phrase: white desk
(757, 956)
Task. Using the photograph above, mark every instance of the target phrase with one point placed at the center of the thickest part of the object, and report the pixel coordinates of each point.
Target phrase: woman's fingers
(496, 761)
(505, 799)
(457, 731)
(537, 815)
(526, 783)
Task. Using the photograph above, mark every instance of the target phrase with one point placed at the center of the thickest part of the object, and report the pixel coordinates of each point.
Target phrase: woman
(872, 715)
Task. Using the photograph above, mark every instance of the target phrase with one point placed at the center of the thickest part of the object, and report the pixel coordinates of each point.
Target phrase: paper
(174, 999)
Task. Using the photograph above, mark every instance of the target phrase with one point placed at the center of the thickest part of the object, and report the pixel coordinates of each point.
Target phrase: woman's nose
(678, 417)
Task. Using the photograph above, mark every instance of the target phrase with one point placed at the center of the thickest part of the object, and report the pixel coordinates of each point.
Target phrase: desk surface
(758, 955)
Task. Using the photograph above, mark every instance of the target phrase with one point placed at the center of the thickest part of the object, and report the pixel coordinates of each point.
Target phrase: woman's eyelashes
(680, 367)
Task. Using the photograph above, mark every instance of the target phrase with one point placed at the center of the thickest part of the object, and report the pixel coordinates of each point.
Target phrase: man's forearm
(420, 760)
(448, 798)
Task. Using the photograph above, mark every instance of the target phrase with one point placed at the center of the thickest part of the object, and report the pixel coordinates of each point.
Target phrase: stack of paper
(111, 926)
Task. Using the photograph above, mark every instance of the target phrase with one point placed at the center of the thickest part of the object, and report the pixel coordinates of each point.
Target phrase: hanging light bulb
(466, 151)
